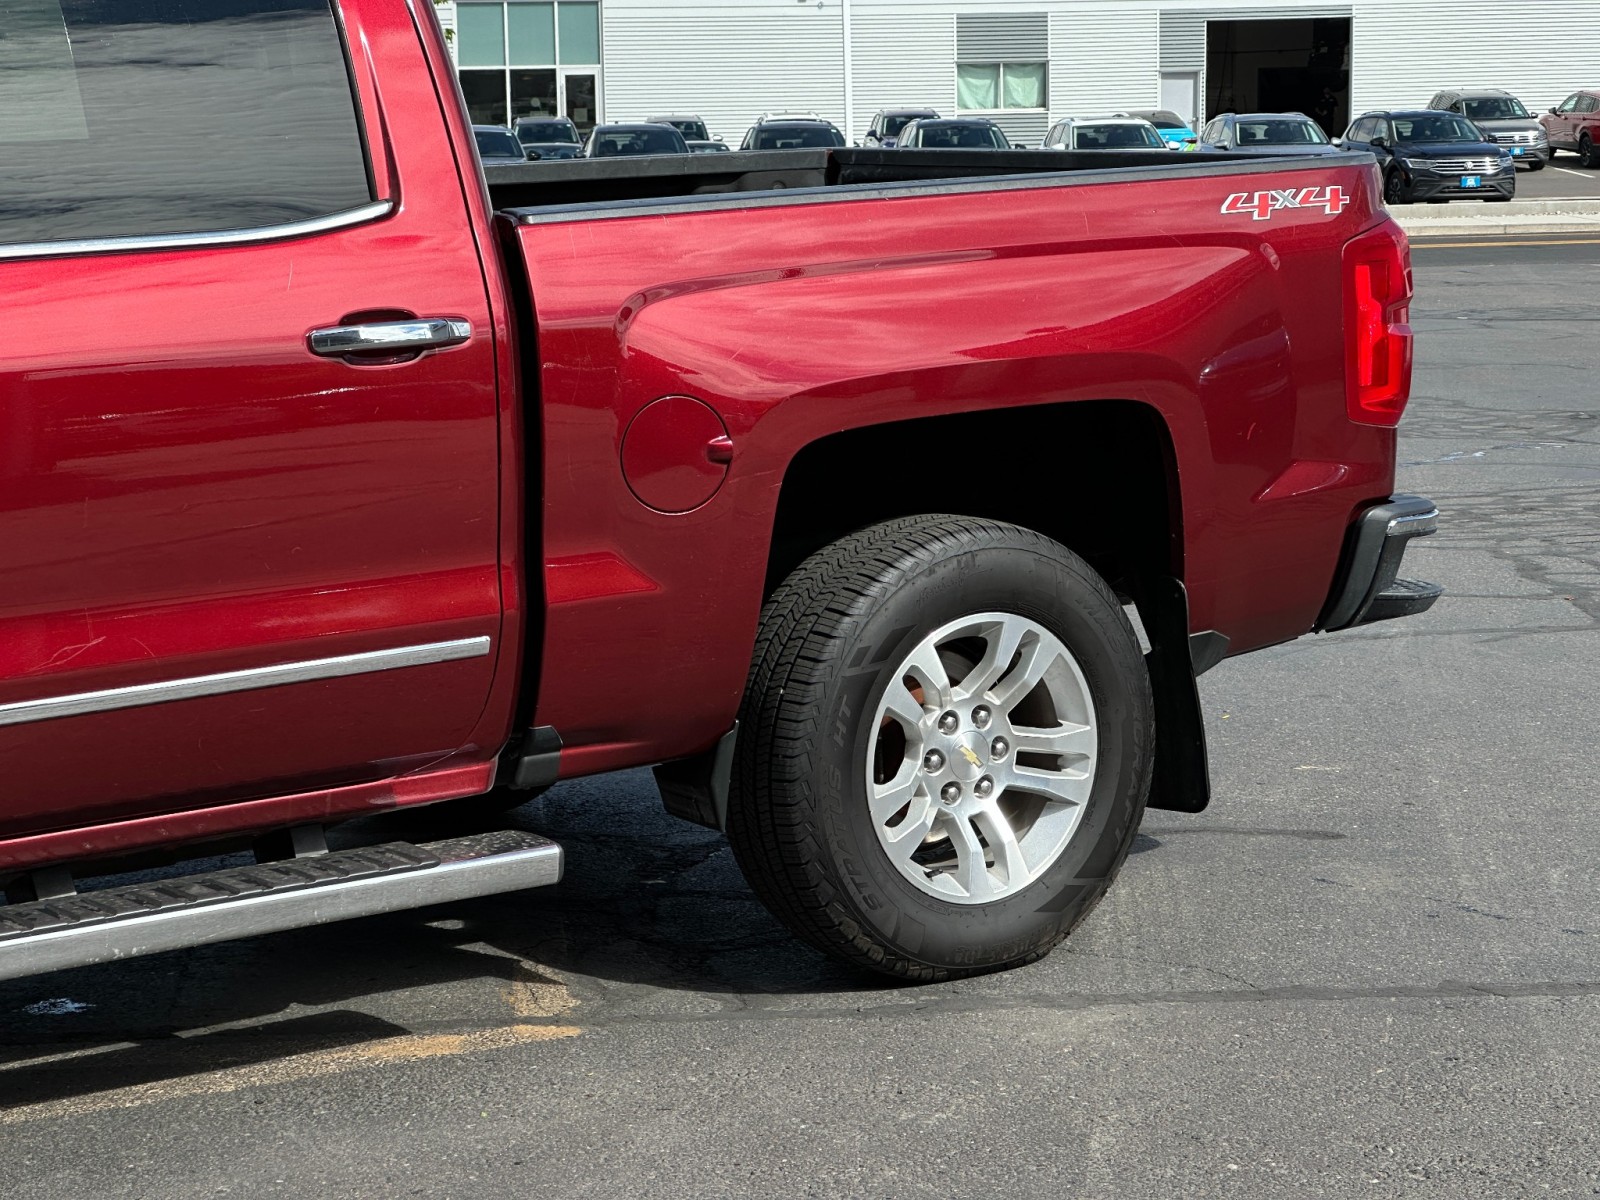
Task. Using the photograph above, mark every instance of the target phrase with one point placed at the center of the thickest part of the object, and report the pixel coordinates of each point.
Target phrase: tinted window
(612, 143)
(893, 123)
(962, 137)
(547, 131)
(1587, 104)
(135, 117)
(1279, 133)
(1115, 137)
(491, 142)
(694, 131)
(1492, 108)
(1440, 128)
(794, 137)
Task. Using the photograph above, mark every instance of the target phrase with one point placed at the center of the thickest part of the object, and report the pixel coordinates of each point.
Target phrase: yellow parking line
(311, 1065)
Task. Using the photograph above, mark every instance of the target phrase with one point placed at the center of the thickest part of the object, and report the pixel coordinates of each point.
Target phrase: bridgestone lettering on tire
(944, 747)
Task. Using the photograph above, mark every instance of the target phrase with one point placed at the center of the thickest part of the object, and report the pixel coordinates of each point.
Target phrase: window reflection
(141, 117)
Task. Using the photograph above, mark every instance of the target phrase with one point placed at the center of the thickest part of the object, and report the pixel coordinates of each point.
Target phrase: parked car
(884, 132)
(1267, 133)
(1432, 155)
(791, 131)
(1174, 130)
(498, 146)
(1574, 125)
(496, 495)
(1502, 116)
(952, 133)
(548, 137)
(700, 147)
(692, 128)
(621, 141)
(1103, 133)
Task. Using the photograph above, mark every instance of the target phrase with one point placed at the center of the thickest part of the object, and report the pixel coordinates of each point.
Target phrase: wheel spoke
(898, 702)
(1070, 786)
(972, 869)
(1002, 839)
(927, 668)
(1001, 640)
(1079, 741)
(902, 841)
(889, 798)
(1036, 659)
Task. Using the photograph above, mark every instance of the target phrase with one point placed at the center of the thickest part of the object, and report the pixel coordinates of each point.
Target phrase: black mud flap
(1182, 779)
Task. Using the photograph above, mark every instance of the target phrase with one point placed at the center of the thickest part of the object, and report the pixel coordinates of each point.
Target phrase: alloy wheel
(984, 758)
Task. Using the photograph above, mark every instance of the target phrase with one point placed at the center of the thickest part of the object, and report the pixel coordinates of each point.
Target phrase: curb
(1523, 217)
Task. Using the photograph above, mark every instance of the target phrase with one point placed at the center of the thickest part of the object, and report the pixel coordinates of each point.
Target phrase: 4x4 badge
(1261, 205)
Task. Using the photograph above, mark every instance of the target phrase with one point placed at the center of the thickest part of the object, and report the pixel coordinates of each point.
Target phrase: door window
(1587, 104)
(258, 129)
(1569, 104)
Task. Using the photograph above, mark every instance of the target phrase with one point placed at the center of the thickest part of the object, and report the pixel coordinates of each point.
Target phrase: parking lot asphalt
(1562, 179)
(1371, 969)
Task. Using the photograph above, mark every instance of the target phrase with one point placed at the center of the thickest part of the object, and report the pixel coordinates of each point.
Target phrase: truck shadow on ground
(652, 914)
(648, 903)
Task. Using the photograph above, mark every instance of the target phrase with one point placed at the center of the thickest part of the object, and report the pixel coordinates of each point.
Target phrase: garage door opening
(1281, 66)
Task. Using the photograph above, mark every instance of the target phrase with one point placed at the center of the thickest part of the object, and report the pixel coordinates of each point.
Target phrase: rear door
(1584, 120)
(248, 475)
(1559, 123)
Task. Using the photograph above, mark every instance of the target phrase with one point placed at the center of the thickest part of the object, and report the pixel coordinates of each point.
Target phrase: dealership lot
(1371, 968)
(1563, 179)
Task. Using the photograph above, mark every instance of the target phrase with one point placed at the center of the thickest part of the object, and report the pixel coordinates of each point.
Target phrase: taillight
(1377, 305)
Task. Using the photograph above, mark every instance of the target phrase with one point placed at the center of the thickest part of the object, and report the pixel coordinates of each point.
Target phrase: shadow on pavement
(647, 900)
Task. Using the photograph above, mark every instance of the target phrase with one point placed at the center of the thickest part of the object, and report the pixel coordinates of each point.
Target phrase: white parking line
(1589, 175)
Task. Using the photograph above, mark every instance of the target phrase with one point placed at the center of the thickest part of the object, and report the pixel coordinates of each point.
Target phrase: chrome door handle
(395, 337)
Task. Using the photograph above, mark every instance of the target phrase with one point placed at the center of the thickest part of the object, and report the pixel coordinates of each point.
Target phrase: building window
(521, 59)
(987, 87)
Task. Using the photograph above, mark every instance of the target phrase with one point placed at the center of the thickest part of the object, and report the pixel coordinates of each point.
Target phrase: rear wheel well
(1097, 476)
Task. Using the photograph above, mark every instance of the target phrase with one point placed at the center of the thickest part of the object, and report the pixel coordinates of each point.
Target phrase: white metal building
(1023, 62)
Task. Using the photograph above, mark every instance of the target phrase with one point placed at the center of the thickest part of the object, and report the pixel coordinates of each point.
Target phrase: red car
(335, 480)
(1574, 125)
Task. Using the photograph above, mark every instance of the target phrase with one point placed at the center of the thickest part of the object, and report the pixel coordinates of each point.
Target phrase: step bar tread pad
(213, 887)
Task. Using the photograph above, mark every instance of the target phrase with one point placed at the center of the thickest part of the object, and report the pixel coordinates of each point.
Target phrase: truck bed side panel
(797, 318)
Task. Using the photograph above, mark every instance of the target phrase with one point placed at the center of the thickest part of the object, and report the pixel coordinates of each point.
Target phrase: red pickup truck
(889, 502)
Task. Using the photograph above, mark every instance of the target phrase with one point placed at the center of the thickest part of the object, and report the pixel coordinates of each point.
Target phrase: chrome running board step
(237, 902)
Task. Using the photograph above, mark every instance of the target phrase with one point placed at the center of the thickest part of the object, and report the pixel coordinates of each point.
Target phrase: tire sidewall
(1050, 592)
(1395, 190)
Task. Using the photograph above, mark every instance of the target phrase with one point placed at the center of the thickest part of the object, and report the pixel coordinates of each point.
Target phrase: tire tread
(775, 843)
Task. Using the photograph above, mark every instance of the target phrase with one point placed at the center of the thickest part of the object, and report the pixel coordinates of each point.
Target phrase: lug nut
(951, 793)
(949, 723)
(983, 787)
(999, 748)
(933, 762)
(980, 717)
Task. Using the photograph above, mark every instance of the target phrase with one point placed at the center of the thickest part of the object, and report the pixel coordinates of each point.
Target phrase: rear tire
(1587, 157)
(860, 663)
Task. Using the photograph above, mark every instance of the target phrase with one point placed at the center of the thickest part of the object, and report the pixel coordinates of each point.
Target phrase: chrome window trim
(186, 241)
(138, 695)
